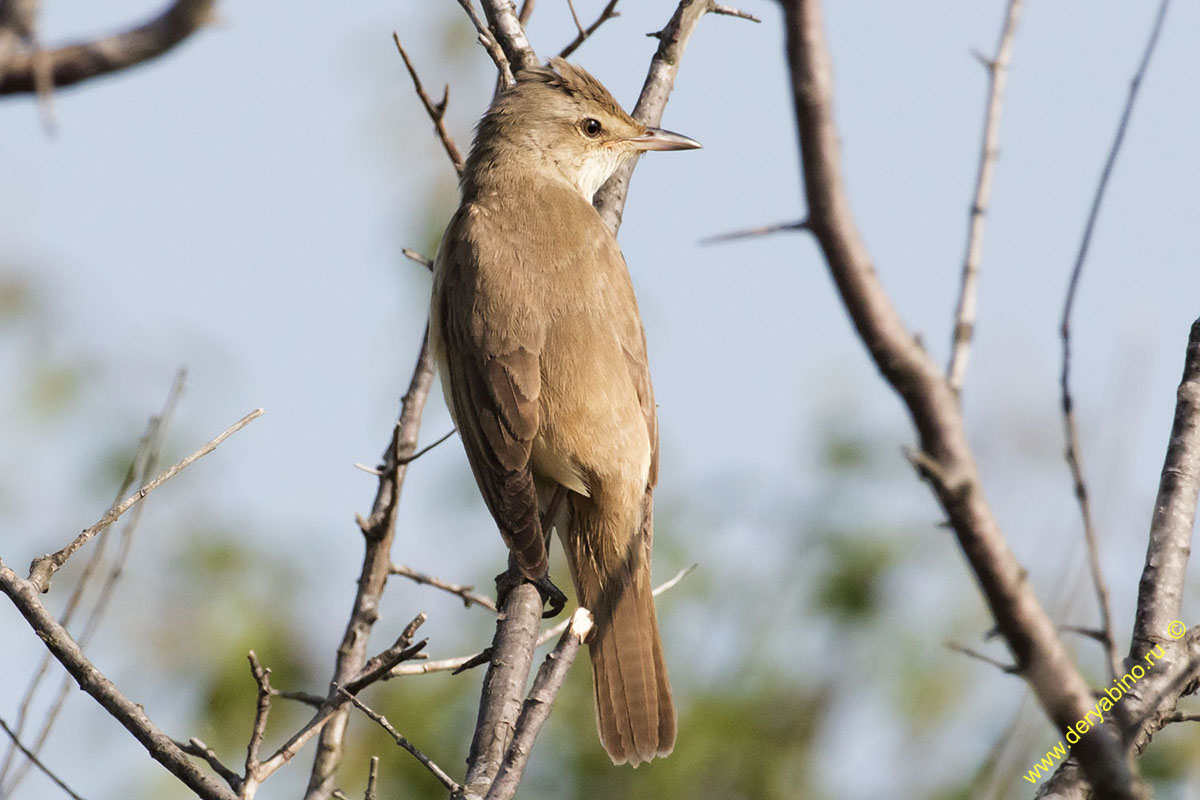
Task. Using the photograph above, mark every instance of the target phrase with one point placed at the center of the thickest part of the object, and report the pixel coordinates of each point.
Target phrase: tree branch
(466, 593)
(379, 719)
(378, 530)
(584, 34)
(436, 112)
(660, 80)
(965, 314)
(24, 595)
(43, 569)
(506, 30)
(935, 413)
(74, 63)
(538, 704)
(503, 686)
(33, 759)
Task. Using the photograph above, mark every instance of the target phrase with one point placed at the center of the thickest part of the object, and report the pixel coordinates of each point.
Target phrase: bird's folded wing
(494, 390)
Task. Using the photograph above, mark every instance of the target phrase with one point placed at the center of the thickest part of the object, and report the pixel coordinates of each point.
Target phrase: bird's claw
(551, 596)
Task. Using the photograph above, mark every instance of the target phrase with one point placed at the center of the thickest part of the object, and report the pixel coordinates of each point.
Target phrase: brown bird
(536, 331)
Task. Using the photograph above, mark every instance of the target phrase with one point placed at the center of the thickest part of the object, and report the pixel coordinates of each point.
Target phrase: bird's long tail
(611, 571)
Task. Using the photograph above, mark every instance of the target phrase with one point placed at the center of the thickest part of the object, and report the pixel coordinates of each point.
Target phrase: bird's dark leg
(552, 596)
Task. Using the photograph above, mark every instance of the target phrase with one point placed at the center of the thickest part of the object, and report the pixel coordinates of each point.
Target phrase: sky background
(239, 207)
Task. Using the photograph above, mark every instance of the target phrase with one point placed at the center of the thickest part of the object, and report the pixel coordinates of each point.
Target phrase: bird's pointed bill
(659, 139)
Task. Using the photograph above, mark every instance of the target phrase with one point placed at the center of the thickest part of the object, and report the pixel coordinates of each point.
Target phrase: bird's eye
(591, 127)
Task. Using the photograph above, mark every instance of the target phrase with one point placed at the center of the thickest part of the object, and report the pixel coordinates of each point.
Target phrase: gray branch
(378, 530)
(24, 595)
(945, 458)
(74, 63)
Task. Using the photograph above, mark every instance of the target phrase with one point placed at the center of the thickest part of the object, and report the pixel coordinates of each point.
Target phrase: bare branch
(505, 29)
(195, 747)
(526, 12)
(455, 664)
(436, 113)
(575, 18)
(428, 447)
(372, 778)
(262, 710)
(504, 685)
(378, 530)
(538, 704)
(502, 52)
(44, 568)
(730, 11)
(382, 721)
(73, 63)
(413, 255)
(1160, 591)
(24, 595)
(1073, 456)
(762, 230)
(984, 657)
(141, 469)
(584, 34)
(33, 759)
(660, 80)
(466, 593)
(965, 314)
(935, 413)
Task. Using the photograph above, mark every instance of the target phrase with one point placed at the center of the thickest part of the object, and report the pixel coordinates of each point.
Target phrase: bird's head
(560, 120)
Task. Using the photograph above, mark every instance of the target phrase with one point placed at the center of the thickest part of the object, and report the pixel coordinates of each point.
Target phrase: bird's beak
(658, 139)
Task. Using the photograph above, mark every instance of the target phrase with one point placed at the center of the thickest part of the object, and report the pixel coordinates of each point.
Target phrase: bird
(535, 330)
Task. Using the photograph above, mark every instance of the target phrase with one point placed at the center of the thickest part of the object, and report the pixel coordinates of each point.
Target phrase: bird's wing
(494, 381)
(633, 343)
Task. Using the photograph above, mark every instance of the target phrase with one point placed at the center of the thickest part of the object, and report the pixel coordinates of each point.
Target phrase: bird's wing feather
(494, 384)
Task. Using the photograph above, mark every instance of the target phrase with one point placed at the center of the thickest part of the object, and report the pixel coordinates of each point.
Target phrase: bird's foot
(551, 595)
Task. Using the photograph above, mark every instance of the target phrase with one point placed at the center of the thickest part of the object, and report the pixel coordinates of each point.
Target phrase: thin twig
(466, 593)
(1010, 669)
(1073, 455)
(44, 568)
(660, 80)
(413, 255)
(965, 314)
(372, 778)
(730, 11)
(762, 230)
(198, 748)
(436, 112)
(427, 448)
(526, 12)
(437, 772)
(452, 664)
(584, 34)
(487, 38)
(575, 17)
(141, 469)
(33, 759)
(262, 677)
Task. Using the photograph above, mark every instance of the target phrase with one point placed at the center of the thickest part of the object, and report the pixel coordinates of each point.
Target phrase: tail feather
(634, 711)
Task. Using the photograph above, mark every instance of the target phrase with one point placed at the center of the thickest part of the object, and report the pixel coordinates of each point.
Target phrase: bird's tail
(634, 711)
